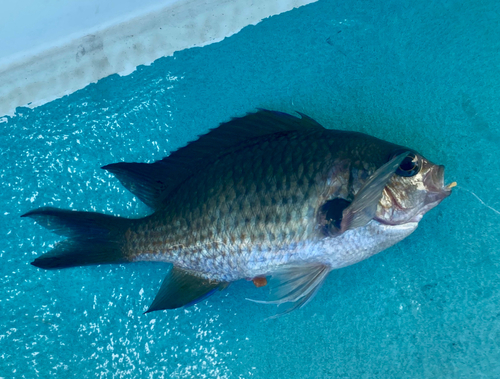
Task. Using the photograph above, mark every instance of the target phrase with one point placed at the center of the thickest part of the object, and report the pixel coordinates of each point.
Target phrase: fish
(270, 197)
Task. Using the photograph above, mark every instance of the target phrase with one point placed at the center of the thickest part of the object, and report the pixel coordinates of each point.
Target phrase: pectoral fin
(182, 289)
(364, 206)
(295, 284)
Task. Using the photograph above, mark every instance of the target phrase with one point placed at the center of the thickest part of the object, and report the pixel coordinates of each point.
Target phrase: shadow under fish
(265, 195)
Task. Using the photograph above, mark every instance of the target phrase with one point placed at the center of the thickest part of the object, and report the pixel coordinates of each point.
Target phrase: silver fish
(264, 195)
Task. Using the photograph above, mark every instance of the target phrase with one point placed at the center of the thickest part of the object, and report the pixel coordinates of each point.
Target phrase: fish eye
(410, 166)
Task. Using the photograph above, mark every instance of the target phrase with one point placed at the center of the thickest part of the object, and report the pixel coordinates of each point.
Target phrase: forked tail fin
(94, 238)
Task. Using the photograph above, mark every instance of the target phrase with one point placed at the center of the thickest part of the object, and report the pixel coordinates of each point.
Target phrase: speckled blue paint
(422, 74)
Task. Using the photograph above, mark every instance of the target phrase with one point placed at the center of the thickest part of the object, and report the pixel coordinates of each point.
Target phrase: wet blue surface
(422, 74)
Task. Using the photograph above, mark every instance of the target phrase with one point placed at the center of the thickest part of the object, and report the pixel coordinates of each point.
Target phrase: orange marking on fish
(259, 282)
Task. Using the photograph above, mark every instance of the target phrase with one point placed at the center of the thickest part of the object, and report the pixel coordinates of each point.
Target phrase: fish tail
(94, 238)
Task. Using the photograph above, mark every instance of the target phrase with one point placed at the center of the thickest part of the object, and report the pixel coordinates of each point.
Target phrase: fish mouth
(437, 191)
(434, 182)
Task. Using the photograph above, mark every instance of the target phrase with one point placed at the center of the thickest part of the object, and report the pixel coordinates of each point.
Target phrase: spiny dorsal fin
(153, 182)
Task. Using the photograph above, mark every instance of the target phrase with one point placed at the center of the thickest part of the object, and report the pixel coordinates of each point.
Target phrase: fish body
(265, 195)
(258, 207)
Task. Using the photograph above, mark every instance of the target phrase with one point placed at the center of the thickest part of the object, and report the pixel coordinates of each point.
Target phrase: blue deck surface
(418, 73)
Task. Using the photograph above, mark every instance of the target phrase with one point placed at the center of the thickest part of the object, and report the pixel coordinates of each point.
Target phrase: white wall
(50, 48)
(29, 26)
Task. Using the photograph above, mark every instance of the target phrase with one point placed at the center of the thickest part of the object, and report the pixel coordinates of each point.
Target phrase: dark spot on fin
(152, 183)
(182, 289)
(331, 212)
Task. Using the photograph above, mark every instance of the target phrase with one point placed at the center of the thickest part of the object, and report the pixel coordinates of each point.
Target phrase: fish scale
(258, 209)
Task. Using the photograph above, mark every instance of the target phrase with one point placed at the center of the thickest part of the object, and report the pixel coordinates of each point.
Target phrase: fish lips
(436, 191)
(434, 183)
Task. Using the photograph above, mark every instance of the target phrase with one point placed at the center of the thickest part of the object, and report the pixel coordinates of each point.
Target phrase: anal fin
(182, 289)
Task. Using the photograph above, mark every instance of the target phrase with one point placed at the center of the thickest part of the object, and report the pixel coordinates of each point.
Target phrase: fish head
(416, 187)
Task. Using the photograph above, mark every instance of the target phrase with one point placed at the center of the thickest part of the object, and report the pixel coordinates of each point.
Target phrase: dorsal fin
(153, 182)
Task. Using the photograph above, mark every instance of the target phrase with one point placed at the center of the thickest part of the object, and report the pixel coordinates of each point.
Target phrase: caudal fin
(94, 238)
